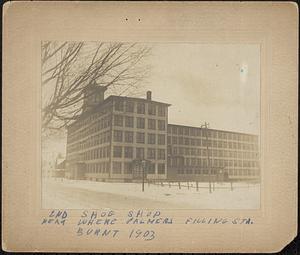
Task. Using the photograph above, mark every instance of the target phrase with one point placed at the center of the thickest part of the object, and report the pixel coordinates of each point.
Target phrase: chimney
(149, 95)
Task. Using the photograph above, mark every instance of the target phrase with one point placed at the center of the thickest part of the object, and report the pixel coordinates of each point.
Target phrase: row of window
(231, 172)
(211, 143)
(102, 167)
(139, 107)
(128, 137)
(103, 152)
(182, 162)
(191, 131)
(90, 142)
(119, 152)
(183, 151)
(89, 130)
(128, 121)
(118, 136)
(128, 168)
(140, 137)
(88, 120)
(128, 152)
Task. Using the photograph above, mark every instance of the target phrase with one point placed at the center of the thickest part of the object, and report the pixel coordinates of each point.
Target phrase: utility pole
(143, 178)
(208, 158)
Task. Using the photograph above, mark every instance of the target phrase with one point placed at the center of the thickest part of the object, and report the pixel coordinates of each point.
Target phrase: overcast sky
(216, 83)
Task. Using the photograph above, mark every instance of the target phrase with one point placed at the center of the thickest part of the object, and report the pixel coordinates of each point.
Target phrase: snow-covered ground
(83, 194)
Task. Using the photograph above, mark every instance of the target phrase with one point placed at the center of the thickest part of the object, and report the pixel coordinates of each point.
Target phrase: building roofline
(140, 99)
(89, 112)
(226, 131)
(106, 100)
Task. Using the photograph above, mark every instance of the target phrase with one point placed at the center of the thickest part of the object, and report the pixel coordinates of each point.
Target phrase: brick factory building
(115, 138)
(231, 155)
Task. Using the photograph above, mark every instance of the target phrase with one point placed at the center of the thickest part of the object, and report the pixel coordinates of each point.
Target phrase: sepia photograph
(150, 125)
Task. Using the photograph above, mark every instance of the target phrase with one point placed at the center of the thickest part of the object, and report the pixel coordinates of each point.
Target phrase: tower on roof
(93, 95)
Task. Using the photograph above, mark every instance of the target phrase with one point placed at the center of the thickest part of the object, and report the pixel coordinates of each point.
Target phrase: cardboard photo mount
(273, 25)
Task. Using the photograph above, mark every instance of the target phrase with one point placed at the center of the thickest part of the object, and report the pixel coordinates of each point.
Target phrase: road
(56, 195)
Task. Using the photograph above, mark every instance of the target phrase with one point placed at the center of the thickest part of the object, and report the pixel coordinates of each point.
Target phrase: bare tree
(68, 67)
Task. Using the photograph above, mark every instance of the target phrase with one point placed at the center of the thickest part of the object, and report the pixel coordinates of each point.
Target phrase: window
(117, 167)
(128, 152)
(128, 137)
(127, 168)
(151, 168)
(151, 153)
(151, 138)
(140, 108)
(180, 140)
(151, 109)
(174, 130)
(117, 152)
(203, 162)
(194, 161)
(161, 139)
(174, 140)
(161, 125)
(151, 124)
(118, 120)
(161, 168)
(161, 111)
(193, 152)
(186, 141)
(192, 131)
(186, 131)
(169, 150)
(234, 145)
(161, 154)
(221, 153)
(140, 153)
(140, 137)
(180, 131)
(187, 151)
(193, 141)
(169, 140)
(129, 107)
(106, 167)
(128, 121)
(118, 136)
(140, 123)
(119, 105)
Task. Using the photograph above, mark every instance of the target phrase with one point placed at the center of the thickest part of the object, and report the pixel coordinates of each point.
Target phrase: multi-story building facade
(112, 134)
(200, 152)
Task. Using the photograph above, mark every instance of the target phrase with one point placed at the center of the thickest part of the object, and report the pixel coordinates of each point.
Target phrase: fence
(190, 185)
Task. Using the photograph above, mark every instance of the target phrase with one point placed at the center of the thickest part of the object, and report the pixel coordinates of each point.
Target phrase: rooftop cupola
(93, 95)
